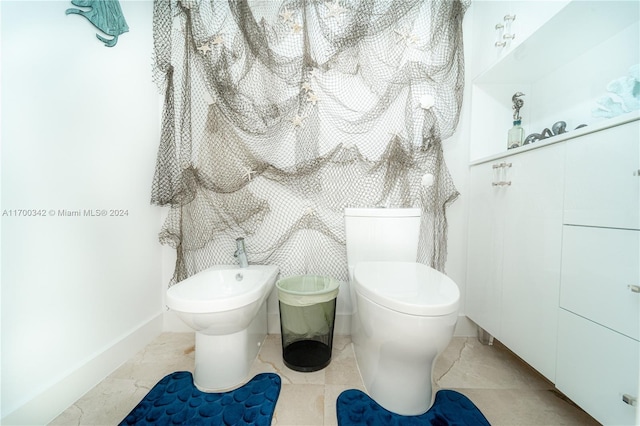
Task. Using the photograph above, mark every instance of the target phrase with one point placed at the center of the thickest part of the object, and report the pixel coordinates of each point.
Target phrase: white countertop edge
(602, 125)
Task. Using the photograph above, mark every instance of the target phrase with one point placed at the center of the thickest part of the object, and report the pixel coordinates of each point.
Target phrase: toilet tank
(381, 234)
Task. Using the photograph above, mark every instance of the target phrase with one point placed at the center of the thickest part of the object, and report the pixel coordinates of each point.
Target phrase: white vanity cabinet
(487, 194)
(597, 369)
(553, 254)
(599, 323)
(515, 229)
(600, 266)
(603, 182)
(554, 264)
(531, 262)
(598, 347)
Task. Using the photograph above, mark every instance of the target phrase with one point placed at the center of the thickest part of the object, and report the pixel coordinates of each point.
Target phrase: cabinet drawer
(596, 368)
(598, 266)
(602, 179)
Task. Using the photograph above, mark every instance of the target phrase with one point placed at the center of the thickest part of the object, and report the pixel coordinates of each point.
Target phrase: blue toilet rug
(175, 400)
(450, 408)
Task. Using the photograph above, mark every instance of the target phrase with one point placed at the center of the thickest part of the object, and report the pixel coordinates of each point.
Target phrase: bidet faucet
(241, 253)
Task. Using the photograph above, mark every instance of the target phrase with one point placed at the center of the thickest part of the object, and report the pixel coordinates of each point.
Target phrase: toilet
(404, 312)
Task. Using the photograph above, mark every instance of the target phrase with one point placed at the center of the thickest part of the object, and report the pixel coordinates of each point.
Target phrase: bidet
(225, 305)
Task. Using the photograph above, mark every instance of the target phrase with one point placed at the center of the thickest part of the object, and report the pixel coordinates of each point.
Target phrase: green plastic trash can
(307, 315)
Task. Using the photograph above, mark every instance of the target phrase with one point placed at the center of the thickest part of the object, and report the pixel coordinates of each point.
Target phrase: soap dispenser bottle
(515, 136)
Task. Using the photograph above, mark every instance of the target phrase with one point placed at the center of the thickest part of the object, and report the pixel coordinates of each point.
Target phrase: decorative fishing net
(279, 114)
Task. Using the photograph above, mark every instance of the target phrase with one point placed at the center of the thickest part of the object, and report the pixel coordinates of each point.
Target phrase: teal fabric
(450, 408)
(105, 15)
(176, 400)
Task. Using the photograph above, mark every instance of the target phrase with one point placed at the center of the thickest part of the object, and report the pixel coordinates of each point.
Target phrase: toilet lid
(407, 287)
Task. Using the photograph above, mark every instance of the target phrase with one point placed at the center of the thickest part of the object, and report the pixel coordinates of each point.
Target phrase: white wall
(80, 130)
(456, 153)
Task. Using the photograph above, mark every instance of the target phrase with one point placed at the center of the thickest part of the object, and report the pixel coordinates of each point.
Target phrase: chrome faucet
(241, 253)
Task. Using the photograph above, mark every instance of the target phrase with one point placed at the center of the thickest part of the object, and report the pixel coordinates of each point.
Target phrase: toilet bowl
(226, 306)
(404, 312)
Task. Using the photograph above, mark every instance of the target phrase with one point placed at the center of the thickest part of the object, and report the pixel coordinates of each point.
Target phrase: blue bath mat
(450, 408)
(175, 400)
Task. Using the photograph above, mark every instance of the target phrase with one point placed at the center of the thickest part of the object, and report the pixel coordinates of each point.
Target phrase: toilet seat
(407, 287)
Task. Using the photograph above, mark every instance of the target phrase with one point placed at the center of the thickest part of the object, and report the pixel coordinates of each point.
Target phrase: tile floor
(505, 389)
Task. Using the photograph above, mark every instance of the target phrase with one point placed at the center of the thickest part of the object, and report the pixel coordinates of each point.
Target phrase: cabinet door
(603, 178)
(485, 15)
(531, 260)
(530, 16)
(484, 247)
(597, 367)
(600, 266)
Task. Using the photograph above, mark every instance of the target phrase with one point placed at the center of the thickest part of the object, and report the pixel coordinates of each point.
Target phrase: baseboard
(51, 402)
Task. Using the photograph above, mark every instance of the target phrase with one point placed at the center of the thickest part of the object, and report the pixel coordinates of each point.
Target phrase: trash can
(307, 314)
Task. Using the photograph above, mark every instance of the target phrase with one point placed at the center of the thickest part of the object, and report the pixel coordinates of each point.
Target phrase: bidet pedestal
(224, 361)
(217, 367)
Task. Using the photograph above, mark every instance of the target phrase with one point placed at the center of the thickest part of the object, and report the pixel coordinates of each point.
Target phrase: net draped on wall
(279, 114)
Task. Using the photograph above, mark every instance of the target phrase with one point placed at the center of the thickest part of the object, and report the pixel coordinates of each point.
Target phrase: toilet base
(395, 354)
(223, 362)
